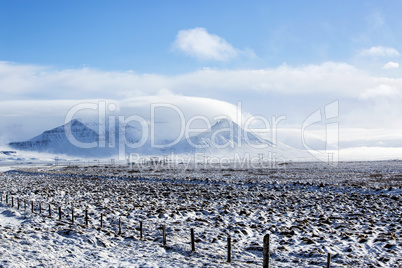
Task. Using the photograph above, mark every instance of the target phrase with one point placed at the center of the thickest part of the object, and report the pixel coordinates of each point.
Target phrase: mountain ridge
(224, 135)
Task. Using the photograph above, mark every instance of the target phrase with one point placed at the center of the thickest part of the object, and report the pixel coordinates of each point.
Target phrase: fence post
(328, 260)
(7, 199)
(192, 240)
(40, 208)
(32, 209)
(18, 203)
(101, 221)
(164, 235)
(119, 227)
(25, 204)
(229, 249)
(86, 217)
(72, 215)
(12, 201)
(266, 251)
(50, 211)
(141, 230)
(59, 213)
(1, 197)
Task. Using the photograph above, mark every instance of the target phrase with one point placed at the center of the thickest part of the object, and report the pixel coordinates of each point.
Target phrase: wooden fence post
(12, 201)
(86, 217)
(72, 215)
(164, 235)
(50, 211)
(40, 208)
(328, 260)
(141, 230)
(25, 204)
(1, 197)
(59, 213)
(119, 227)
(266, 251)
(229, 259)
(18, 203)
(192, 240)
(101, 221)
(32, 207)
(7, 199)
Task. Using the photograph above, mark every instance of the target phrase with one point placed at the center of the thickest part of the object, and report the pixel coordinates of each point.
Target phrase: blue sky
(276, 57)
(138, 35)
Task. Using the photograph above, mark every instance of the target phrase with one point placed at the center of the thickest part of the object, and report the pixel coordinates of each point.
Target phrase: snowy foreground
(352, 211)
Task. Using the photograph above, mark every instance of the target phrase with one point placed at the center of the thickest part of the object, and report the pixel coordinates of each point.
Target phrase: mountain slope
(57, 141)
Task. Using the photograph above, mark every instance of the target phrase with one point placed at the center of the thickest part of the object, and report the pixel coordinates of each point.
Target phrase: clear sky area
(140, 35)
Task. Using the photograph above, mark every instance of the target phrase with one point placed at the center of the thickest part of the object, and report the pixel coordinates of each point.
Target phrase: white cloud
(391, 65)
(38, 82)
(32, 82)
(380, 51)
(270, 91)
(379, 91)
(329, 78)
(200, 44)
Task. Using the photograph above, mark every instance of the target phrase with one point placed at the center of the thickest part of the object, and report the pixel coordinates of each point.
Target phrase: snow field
(351, 211)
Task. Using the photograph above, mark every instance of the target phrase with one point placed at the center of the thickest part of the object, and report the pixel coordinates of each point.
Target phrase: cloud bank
(366, 100)
(19, 81)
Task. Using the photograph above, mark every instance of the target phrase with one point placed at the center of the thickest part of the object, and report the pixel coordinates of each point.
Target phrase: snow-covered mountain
(224, 136)
(58, 141)
(90, 140)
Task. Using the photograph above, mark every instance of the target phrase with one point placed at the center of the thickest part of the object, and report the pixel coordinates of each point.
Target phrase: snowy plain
(352, 210)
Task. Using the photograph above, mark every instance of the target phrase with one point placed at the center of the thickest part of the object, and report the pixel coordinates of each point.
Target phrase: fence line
(266, 238)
